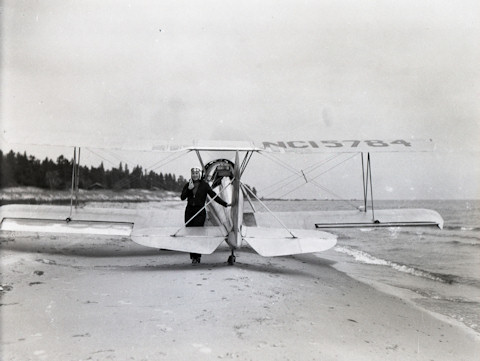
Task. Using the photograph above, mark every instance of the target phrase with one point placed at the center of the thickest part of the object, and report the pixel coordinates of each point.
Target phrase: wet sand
(104, 298)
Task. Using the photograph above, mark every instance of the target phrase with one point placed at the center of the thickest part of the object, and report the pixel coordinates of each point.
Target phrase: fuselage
(224, 178)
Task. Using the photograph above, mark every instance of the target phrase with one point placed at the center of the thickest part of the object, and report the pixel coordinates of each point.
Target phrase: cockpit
(218, 169)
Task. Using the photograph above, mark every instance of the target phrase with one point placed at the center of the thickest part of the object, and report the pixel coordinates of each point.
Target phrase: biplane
(268, 233)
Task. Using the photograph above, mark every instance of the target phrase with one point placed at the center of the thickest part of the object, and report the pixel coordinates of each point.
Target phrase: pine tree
(26, 170)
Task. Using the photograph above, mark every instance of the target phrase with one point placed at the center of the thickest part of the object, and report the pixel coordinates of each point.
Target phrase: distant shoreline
(34, 195)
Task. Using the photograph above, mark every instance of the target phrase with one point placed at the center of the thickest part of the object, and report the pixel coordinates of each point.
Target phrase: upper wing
(313, 146)
(282, 146)
(347, 146)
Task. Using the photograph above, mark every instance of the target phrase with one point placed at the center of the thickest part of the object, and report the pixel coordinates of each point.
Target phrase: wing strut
(268, 209)
(245, 162)
(200, 160)
(248, 197)
(75, 181)
(367, 181)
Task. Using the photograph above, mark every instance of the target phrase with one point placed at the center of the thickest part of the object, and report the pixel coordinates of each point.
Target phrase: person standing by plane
(196, 191)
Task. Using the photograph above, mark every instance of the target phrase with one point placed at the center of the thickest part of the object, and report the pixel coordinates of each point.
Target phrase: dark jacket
(198, 199)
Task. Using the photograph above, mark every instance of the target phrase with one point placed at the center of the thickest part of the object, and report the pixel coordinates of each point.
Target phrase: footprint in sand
(40, 354)
(202, 348)
(164, 328)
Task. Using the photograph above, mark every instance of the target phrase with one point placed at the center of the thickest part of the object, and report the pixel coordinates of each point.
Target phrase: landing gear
(231, 259)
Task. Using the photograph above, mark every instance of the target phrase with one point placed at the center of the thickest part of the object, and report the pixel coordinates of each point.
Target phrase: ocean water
(438, 269)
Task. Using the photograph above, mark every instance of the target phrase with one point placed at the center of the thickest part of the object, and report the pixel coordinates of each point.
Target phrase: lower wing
(269, 242)
(203, 240)
(151, 227)
(342, 219)
(65, 220)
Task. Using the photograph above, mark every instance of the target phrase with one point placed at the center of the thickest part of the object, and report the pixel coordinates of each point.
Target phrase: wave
(460, 243)
(462, 228)
(449, 235)
(364, 257)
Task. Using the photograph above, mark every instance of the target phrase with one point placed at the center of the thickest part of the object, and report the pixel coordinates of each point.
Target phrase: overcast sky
(108, 72)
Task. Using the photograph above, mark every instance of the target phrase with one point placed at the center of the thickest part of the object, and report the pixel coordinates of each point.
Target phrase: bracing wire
(100, 156)
(312, 180)
(295, 172)
(128, 180)
(284, 165)
(324, 189)
(335, 166)
(164, 161)
(268, 209)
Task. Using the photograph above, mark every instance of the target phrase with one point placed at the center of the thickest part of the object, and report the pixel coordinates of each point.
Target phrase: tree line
(17, 169)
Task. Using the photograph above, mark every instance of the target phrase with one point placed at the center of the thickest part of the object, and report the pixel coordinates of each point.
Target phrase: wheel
(231, 260)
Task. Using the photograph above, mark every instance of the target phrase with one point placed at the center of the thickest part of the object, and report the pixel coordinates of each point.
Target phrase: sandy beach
(104, 298)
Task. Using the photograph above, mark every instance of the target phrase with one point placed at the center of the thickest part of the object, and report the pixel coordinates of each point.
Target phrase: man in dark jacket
(196, 191)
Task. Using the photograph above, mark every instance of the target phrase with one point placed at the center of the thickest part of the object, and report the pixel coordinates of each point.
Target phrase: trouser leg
(198, 221)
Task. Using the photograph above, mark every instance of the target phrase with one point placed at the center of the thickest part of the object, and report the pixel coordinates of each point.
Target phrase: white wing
(202, 240)
(270, 242)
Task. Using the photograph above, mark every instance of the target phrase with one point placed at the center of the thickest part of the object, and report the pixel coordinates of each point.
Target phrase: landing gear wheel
(231, 260)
